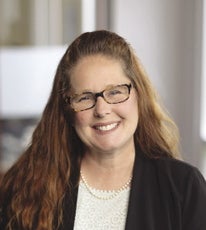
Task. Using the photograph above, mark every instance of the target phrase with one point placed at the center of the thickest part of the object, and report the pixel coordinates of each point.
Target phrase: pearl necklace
(114, 192)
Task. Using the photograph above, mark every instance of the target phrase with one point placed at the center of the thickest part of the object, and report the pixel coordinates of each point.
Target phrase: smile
(106, 127)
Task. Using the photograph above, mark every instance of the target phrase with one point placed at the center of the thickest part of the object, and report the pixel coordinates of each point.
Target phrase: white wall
(26, 77)
(203, 83)
(167, 37)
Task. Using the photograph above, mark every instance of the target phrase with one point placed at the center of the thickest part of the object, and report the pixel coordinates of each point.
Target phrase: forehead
(97, 72)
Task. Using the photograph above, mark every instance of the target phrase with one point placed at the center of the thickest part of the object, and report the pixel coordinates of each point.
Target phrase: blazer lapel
(146, 210)
(133, 213)
(142, 203)
(70, 202)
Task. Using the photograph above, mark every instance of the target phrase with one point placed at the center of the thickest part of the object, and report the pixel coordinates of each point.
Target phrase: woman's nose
(101, 107)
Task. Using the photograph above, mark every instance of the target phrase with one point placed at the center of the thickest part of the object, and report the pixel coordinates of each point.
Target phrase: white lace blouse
(101, 210)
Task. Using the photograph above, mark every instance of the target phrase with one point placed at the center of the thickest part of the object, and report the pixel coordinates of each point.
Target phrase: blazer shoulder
(189, 186)
(181, 175)
(177, 167)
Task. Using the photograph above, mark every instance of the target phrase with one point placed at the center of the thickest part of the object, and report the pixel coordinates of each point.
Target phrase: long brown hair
(32, 191)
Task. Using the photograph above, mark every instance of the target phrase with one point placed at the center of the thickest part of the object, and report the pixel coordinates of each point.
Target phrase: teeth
(106, 127)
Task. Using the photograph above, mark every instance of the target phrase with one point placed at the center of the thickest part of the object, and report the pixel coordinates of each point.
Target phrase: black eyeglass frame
(99, 94)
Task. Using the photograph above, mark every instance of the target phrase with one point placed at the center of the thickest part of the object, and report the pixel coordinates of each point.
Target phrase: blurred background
(168, 36)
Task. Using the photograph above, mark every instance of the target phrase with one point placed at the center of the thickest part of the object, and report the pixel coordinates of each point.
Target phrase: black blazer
(166, 194)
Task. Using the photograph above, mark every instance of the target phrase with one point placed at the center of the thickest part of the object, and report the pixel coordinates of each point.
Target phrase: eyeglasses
(87, 100)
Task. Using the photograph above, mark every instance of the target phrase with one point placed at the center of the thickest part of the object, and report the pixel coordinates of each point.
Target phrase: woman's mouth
(106, 127)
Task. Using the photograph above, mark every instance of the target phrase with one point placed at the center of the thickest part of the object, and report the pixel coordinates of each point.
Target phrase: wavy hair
(33, 190)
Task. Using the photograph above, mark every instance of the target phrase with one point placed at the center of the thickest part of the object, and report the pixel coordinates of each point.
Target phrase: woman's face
(105, 127)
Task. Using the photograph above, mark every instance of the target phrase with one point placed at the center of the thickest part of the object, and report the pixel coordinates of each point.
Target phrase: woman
(104, 154)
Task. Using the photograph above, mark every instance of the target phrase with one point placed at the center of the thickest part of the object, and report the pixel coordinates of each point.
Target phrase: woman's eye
(84, 98)
(114, 92)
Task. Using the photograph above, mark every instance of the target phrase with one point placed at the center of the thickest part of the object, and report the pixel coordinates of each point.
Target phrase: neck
(108, 171)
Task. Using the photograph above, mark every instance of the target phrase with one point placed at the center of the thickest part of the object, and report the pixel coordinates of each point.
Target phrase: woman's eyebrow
(91, 91)
(83, 91)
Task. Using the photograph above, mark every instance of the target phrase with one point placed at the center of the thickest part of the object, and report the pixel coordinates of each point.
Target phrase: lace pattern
(101, 214)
